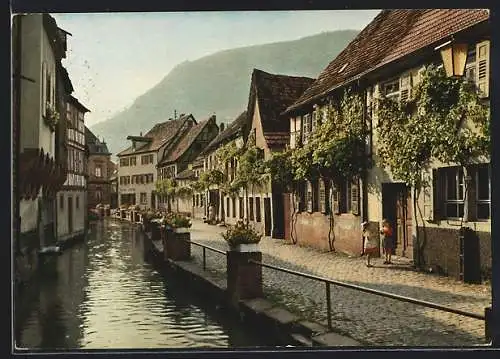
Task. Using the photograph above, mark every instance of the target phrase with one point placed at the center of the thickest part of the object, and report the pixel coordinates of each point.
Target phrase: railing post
(204, 259)
(328, 305)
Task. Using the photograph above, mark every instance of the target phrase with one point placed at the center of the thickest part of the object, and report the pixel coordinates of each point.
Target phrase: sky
(113, 58)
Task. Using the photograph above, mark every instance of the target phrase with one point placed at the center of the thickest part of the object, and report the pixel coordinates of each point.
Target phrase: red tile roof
(274, 93)
(161, 133)
(392, 35)
(187, 140)
(228, 134)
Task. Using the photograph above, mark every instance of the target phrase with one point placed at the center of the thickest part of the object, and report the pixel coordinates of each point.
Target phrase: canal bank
(261, 313)
(102, 294)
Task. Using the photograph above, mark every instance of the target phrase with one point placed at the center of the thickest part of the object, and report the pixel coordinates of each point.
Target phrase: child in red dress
(387, 240)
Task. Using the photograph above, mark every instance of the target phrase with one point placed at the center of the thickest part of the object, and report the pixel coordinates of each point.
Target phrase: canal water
(103, 294)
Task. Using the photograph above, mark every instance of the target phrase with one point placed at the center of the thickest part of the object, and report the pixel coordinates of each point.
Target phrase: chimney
(221, 127)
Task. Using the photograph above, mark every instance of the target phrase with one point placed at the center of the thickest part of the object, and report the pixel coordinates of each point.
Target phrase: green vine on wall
(432, 125)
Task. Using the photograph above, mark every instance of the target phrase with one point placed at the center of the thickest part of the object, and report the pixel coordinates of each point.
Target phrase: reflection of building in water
(52, 309)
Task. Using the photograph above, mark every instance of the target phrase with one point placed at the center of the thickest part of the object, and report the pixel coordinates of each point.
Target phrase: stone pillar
(177, 247)
(244, 279)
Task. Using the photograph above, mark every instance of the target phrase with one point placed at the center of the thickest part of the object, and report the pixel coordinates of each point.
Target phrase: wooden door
(267, 216)
(287, 216)
(278, 216)
(404, 223)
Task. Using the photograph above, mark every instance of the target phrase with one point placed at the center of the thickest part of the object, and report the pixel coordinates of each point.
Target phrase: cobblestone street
(373, 320)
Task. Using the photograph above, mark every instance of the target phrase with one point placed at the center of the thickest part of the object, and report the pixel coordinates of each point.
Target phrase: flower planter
(244, 279)
(176, 244)
(245, 247)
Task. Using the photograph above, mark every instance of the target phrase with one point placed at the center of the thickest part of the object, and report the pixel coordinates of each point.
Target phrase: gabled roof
(274, 94)
(392, 35)
(94, 145)
(78, 104)
(160, 134)
(187, 140)
(186, 174)
(228, 134)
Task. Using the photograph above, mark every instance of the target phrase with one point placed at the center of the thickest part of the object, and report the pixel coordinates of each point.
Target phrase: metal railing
(205, 247)
(380, 293)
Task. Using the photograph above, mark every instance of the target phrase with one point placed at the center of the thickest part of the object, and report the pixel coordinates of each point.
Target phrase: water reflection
(102, 294)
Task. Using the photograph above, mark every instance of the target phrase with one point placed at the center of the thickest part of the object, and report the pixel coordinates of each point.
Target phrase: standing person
(369, 243)
(387, 240)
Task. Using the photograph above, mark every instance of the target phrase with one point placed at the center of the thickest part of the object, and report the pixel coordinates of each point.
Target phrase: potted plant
(242, 237)
(52, 117)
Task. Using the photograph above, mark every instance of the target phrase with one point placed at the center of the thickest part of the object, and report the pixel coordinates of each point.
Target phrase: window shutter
(322, 199)
(309, 197)
(483, 68)
(427, 196)
(335, 199)
(355, 196)
(405, 88)
(437, 195)
(44, 88)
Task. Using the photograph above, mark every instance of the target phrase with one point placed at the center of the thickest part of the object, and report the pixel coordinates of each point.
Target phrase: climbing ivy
(338, 145)
(280, 168)
(432, 125)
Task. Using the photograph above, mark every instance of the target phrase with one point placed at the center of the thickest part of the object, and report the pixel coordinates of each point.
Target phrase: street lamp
(454, 56)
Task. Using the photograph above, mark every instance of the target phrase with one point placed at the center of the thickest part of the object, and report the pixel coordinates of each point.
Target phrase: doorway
(153, 200)
(278, 215)
(267, 216)
(397, 209)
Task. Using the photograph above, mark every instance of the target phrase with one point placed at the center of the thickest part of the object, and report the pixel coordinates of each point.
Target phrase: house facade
(178, 158)
(387, 60)
(228, 209)
(72, 199)
(40, 166)
(270, 95)
(99, 171)
(137, 172)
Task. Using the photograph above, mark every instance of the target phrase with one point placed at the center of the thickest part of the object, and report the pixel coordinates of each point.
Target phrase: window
(257, 209)
(234, 207)
(144, 198)
(391, 89)
(454, 190)
(228, 209)
(61, 202)
(124, 162)
(133, 161)
(77, 202)
(146, 159)
(250, 208)
(242, 208)
(345, 196)
(98, 171)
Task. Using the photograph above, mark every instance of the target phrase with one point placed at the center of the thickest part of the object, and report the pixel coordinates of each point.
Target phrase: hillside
(219, 83)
